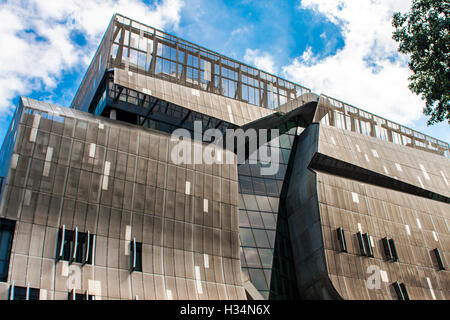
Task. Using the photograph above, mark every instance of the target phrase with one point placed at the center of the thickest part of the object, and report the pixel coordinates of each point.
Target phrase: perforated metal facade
(358, 208)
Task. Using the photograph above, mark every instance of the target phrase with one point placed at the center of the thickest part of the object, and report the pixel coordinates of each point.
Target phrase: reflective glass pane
(271, 187)
(255, 219)
(243, 219)
(263, 203)
(246, 237)
(259, 186)
(245, 183)
(266, 257)
(250, 202)
(261, 238)
(258, 279)
(269, 220)
(252, 257)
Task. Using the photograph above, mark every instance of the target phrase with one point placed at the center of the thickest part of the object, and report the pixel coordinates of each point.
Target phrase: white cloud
(240, 31)
(367, 72)
(36, 60)
(259, 59)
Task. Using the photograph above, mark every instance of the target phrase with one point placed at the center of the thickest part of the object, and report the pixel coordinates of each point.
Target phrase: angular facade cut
(95, 203)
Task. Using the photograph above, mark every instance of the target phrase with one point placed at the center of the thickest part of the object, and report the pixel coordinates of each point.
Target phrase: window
(362, 245)
(398, 290)
(418, 135)
(269, 220)
(381, 132)
(356, 122)
(387, 248)
(401, 291)
(439, 259)
(135, 256)
(325, 120)
(368, 244)
(390, 250)
(350, 109)
(341, 238)
(243, 219)
(285, 142)
(365, 114)
(378, 120)
(245, 184)
(246, 237)
(73, 295)
(259, 186)
(258, 279)
(420, 144)
(255, 219)
(404, 291)
(406, 130)
(23, 293)
(271, 187)
(266, 256)
(406, 140)
(252, 257)
(261, 238)
(393, 125)
(348, 122)
(366, 128)
(75, 246)
(393, 250)
(339, 120)
(6, 236)
(396, 137)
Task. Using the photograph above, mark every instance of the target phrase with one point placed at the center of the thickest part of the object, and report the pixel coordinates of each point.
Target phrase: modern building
(95, 206)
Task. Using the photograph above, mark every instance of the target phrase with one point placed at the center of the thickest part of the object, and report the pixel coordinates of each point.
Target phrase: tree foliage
(424, 34)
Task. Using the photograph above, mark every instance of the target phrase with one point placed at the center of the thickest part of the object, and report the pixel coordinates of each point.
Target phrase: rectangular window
(404, 291)
(356, 122)
(378, 120)
(349, 109)
(439, 259)
(135, 256)
(362, 245)
(365, 114)
(393, 125)
(73, 295)
(420, 144)
(398, 290)
(393, 250)
(381, 132)
(341, 238)
(418, 135)
(366, 128)
(6, 236)
(387, 249)
(75, 246)
(396, 137)
(406, 140)
(406, 130)
(348, 123)
(339, 121)
(368, 244)
(401, 291)
(325, 120)
(23, 293)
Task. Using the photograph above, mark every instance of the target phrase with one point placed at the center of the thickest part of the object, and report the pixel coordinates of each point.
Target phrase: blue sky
(340, 48)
